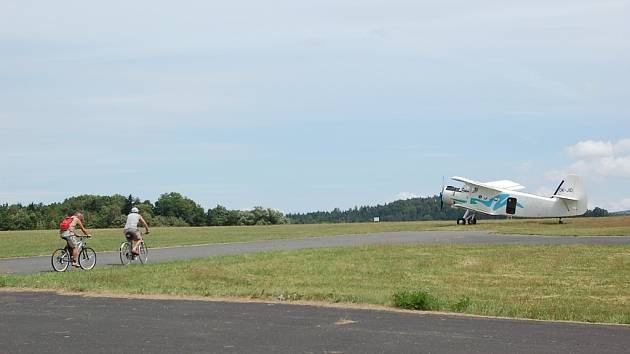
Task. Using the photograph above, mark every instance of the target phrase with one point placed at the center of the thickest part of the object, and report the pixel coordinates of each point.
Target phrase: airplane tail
(572, 191)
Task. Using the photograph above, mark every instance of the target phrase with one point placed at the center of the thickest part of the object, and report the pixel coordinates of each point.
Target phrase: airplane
(502, 198)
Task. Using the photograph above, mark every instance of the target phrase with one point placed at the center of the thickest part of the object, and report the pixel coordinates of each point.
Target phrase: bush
(462, 304)
(415, 300)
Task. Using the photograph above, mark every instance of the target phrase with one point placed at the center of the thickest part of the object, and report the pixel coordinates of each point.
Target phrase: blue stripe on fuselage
(501, 201)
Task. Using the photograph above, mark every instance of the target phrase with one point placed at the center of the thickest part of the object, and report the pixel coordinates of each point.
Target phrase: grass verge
(32, 243)
(548, 282)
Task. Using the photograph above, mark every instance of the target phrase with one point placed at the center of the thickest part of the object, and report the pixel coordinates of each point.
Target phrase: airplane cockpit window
(451, 188)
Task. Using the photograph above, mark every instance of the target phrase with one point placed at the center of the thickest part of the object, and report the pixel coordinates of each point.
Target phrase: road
(50, 323)
(42, 264)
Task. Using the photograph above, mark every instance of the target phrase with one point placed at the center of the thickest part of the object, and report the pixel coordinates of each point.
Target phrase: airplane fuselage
(511, 203)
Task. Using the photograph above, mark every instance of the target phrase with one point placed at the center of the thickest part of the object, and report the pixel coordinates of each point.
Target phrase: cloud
(602, 158)
(406, 195)
(591, 149)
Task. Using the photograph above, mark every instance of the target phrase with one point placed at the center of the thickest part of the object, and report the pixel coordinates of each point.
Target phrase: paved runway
(42, 264)
(49, 323)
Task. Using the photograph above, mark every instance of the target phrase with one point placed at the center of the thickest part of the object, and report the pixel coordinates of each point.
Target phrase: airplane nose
(447, 196)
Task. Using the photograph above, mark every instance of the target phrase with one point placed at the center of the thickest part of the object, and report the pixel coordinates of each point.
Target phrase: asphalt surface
(50, 323)
(42, 264)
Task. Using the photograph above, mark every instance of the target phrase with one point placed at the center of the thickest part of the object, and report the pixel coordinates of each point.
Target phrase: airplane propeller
(441, 196)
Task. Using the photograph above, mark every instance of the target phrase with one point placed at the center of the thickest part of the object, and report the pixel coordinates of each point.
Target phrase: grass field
(31, 243)
(551, 282)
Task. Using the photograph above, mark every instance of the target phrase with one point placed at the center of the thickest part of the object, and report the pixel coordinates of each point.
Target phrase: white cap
(134, 210)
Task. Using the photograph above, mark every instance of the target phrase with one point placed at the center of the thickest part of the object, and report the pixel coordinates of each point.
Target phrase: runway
(50, 323)
(31, 265)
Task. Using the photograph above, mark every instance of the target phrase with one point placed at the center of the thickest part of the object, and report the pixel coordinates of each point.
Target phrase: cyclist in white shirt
(131, 229)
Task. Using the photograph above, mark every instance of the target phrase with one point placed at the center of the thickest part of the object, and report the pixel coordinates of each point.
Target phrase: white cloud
(406, 195)
(593, 149)
(590, 149)
(603, 158)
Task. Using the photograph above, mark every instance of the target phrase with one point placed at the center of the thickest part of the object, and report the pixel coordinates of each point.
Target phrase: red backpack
(65, 223)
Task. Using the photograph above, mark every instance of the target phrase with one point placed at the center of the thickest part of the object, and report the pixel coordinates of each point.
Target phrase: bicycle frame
(81, 245)
(86, 256)
(125, 252)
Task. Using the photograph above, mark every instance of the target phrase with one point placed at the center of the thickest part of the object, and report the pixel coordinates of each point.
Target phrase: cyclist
(131, 229)
(66, 232)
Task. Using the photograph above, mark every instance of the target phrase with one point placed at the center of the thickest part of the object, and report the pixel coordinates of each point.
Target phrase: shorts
(70, 238)
(133, 235)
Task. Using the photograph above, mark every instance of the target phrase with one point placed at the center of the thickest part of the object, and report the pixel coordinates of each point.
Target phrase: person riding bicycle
(131, 229)
(66, 232)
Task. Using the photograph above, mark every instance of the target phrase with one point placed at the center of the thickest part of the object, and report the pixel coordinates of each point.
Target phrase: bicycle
(62, 257)
(127, 257)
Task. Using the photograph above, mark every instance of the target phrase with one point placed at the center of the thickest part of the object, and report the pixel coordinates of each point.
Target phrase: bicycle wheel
(144, 253)
(60, 259)
(125, 253)
(87, 258)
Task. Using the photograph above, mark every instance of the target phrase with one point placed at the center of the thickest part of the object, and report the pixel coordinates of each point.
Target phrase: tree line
(414, 209)
(171, 209)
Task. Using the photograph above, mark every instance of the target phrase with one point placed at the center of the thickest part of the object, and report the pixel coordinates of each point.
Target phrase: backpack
(65, 223)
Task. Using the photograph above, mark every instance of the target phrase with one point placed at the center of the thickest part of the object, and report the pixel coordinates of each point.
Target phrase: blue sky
(306, 106)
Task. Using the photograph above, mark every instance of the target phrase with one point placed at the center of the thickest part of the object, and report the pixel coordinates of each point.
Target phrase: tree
(108, 216)
(174, 204)
(597, 212)
(129, 202)
(171, 209)
(217, 216)
(145, 208)
(246, 218)
(233, 217)
(19, 218)
(276, 217)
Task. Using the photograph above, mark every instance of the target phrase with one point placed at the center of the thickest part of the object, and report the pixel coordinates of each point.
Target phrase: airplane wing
(466, 180)
(495, 185)
(470, 182)
(506, 184)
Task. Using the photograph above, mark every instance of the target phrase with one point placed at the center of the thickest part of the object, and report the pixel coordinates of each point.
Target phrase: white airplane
(502, 198)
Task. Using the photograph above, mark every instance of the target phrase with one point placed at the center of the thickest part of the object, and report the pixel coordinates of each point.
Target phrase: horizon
(206, 208)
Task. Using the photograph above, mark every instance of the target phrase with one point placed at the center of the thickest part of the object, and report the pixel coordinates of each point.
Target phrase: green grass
(550, 282)
(31, 243)
(607, 226)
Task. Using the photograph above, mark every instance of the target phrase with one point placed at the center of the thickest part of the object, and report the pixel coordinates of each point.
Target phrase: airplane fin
(572, 189)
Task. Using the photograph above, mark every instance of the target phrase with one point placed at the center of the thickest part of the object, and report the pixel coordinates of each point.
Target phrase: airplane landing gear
(560, 221)
(467, 218)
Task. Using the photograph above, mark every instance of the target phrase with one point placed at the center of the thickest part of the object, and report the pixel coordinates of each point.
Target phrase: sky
(311, 105)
